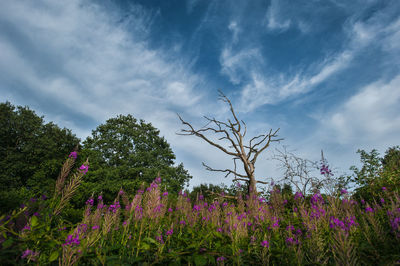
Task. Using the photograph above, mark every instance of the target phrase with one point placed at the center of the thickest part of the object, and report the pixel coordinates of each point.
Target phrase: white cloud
(235, 29)
(370, 116)
(235, 65)
(274, 19)
(81, 56)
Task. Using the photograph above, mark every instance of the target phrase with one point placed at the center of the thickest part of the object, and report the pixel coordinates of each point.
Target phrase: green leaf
(199, 260)
(53, 256)
(150, 240)
(145, 246)
(34, 221)
(8, 243)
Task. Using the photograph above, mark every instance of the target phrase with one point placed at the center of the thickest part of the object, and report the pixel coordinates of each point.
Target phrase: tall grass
(150, 228)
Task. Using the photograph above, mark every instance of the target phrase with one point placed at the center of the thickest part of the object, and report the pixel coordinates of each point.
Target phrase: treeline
(129, 154)
(123, 152)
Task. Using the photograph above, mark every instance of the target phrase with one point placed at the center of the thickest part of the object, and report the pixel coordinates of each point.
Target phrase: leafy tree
(125, 153)
(377, 172)
(31, 154)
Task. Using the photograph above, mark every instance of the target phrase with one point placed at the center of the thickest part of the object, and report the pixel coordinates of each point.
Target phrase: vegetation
(128, 217)
(31, 154)
(147, 228)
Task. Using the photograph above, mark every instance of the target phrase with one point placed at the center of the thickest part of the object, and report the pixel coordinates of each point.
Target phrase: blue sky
(327, 73)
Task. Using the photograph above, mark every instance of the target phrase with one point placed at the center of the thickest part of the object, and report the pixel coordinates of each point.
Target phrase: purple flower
(44, 197)
(170, 232)
(100, 197)
(158, 180)
(72, 240)
(26, 227)
(369, 209)
(219, 229)
(121, 192)
(343, 191)
(95, 227)
(382, 200)
(384, 188)
(160, 239)
(84, 168)
(165, 193)
(201, 197)
(298, 195)
(182, 222)
(90, 202)
(265, 244)
(220, 258)
(170, 210)
(73, 155)
(30, 254)
(290, 241)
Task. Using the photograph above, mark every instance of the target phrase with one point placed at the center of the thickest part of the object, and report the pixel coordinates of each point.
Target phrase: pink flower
(265, 244)
(73, 155)
(84, 168)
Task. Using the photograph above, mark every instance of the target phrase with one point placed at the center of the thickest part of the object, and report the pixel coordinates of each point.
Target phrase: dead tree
(234, 132)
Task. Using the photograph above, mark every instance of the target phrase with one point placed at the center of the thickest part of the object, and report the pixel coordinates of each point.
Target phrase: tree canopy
(31, 154)
(124, 153)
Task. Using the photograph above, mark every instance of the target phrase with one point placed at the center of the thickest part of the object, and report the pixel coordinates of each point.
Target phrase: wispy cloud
(274, 20)
(370, 116)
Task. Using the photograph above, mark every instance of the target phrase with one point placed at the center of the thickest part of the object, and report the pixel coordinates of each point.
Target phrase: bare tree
(234, 132)
(301, 172)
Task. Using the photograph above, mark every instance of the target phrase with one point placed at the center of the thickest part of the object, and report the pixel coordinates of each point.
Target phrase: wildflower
(26, 227)
(290, 241)
(73, 155)
(224, 204)
(158, 180)
(382, 200)
(219, 229)
(95, 227)
(160, 239)
(201, 197)
(290, 228)
(369, 209)
(165, 193)
(170, 210)
(100, 198)
(298, 195)
(44, 197)
(71, 240)
(384, 188)
(84, 168)
(363, 201)
(30, 254)
(343, 191)
(90, 202)
(36, 214)
(121, 192)
(170, 232)
(220, 258)
(182, 222)
(265, 244)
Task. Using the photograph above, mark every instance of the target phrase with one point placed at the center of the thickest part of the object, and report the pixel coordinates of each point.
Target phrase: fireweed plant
(151, 228)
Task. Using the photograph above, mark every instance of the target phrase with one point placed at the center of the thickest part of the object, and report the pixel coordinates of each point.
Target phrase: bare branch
(227, 171)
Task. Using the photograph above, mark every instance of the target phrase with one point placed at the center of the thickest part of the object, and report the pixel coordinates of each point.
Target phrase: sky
(325, 72)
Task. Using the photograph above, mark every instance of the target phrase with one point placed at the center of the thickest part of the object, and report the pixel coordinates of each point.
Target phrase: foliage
(126, 153)
(146, 228)
(376, 173)
(31, 154)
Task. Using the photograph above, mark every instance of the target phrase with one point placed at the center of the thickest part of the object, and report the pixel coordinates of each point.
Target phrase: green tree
(377, 172)
(124, 153)
(31, 154)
